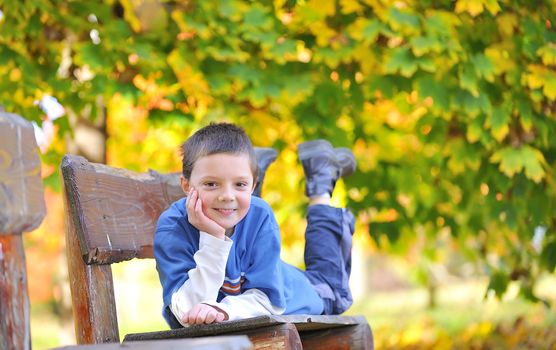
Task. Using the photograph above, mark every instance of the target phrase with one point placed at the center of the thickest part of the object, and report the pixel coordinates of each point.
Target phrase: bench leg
(92, 294)
(348, 337)
(15, 331)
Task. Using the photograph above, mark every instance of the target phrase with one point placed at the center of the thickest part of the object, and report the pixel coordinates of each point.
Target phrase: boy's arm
(251, 303)
(264, 285)
(205, 279)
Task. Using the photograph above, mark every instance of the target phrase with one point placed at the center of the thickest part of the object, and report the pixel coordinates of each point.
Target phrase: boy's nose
(226, 195)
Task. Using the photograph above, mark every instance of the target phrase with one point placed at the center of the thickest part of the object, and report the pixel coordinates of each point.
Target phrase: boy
(218, 250)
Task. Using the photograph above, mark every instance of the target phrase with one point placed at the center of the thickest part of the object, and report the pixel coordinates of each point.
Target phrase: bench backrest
(111, 217)
(115, 210)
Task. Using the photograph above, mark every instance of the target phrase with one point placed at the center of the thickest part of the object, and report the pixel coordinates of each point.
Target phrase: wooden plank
(302, 323)
(92, 293)
(115, 210)
(22, 209)
(14, 301)
(316, 322)
(234, 342)
(349, 332)
(21, 191)
(201, 330)
(355, 337)
(264, 332)
(282, 336)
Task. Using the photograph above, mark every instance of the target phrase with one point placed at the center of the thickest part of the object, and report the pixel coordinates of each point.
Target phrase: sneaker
(345, 158)
(323, 165)
(265, 156)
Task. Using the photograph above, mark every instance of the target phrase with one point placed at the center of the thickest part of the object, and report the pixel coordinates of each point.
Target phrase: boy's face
(224, 183)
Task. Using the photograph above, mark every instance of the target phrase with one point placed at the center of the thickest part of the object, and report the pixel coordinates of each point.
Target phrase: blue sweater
(253, 262)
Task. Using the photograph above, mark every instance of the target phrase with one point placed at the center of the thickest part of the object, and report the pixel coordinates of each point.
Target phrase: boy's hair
(217, 138)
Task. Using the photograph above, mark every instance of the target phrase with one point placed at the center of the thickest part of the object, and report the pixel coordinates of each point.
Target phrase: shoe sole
(345, 158)
(268, 154)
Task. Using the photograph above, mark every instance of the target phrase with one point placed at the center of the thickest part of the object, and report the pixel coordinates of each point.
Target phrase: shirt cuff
(216, 244)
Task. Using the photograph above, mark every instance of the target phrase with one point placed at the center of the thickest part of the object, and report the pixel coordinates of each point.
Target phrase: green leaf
(430, 87)
(402, 61)
(371, 30)
(474, 130)
(498, 122)
(257, 18)
(474, 104)
(483, 67)
(329, 98)
(525, 113)
(510, 159)
(498, 283)
(468, 80)
(405, 21)
(533, 162)
(92, 55)
(424, 44)
(548, 256)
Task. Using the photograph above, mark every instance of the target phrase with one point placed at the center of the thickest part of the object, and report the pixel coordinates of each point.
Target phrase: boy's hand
(197, 218)
(204, 314)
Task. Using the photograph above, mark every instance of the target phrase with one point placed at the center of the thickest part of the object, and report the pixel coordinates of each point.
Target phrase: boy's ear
(254, 184)
(184, 184)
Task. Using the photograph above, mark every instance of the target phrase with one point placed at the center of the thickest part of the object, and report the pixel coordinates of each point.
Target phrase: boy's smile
(224, 183)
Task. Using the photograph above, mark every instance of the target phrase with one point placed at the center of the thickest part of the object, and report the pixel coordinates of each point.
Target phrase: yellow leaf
(129, 15)
(367, 59)
(492, 6)
(507, 22)
(473, 7)
(535, 77)
(191, 80)
(499, 55)
(325, 7)
(500, 133)
(350, 6)
(549, 89)
(323, 33)
(548, 54)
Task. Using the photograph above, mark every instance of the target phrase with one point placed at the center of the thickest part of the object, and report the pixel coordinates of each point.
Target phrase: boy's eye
(209, 184)
(241, 184)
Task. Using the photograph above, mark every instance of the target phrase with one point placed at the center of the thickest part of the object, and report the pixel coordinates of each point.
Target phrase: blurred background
(448, 105)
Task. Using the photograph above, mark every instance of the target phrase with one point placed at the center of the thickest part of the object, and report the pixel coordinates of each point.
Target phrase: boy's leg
(265, 156)
(329, 230)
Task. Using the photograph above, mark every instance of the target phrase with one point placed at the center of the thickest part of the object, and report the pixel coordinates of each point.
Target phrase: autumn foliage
(448, 106)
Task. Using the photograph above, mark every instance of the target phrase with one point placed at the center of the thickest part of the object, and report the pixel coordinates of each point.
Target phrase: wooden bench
(111, 217)
(233, 342)
(22, 209)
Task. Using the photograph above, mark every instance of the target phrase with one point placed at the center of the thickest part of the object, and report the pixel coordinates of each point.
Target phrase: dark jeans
(328, 255)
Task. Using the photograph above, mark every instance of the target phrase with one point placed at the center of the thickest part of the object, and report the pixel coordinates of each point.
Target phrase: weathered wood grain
(22, 206)
(15, 331)
(115, 210)
(278, 337)
(234, 342)
(349, 337)
(301, 322)
(315, 331)
(21, 209)
(92, 293)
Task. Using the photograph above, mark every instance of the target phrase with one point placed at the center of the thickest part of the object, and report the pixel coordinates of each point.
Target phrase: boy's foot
(323, 165)
(265, 156)
(346, 160)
